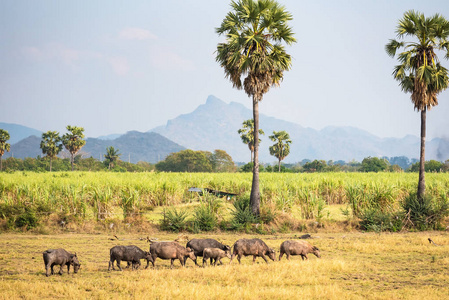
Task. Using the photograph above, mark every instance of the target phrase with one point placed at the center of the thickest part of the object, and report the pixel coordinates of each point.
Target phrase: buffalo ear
(188, 249)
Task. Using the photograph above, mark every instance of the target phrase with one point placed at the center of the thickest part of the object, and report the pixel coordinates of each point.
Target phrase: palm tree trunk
(71, 161)
(279, 165)
(1, 162)
(422, 180)
(255, 193)
(50, 164)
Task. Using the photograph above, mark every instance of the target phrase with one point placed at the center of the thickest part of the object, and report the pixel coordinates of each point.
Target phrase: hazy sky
(114, 66)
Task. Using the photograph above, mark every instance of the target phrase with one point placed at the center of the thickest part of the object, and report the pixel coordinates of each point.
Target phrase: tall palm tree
(4, 146)
(247, 135)
(419, 71)
(73, 141)
(111, 156)
(51, 145)
(255, 31)
(281, 148)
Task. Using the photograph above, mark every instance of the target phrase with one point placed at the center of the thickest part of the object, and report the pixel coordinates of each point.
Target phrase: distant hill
(28, 147)
(19, 132)
(214, 125)
(134, 146)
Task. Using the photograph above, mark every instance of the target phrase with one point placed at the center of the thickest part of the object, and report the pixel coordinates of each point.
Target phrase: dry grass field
(354, 265)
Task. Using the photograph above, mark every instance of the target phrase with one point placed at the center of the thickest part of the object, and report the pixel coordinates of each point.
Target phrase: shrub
(174, 220)
(425, 213)
(374, 219)
(242, 217)
(204, 218)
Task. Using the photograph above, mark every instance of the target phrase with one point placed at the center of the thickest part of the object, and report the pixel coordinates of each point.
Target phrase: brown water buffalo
(293, 247)
(215, 254)
(60, 257)
(254, 247)
(172, 251)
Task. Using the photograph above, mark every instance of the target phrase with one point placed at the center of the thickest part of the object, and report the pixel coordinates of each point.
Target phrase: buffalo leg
(47, 270)
(118, 264)
(264, 258)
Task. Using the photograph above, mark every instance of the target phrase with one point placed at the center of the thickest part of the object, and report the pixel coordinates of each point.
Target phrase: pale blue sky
(114, 66)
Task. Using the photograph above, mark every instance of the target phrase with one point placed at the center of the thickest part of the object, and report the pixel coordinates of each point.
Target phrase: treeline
(219, 162)
(42, 164)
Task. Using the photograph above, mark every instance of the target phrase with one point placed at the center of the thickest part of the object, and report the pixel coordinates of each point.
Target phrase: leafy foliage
(374, 164)
(112, 155)
(241, 214)
(174, 220)
(4, 146)
(426, 213)
(281, 148)
(73, 141)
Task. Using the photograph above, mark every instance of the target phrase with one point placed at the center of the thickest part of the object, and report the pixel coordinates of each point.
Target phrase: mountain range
(214, 125)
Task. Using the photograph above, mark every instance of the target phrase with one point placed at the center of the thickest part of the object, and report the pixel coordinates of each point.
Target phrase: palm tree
(255, 31)
(111, 156)
(247, 135)
(51, 145)
(73, 141)
(281, 148)
(4, 146)
(419, 71)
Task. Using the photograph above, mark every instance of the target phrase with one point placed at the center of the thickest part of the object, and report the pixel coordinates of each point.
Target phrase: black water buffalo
(60, 257)
(198, 246)
(131, 254)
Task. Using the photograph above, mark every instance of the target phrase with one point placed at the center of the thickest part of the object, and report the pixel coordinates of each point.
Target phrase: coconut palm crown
(419, 71)
(254, 59)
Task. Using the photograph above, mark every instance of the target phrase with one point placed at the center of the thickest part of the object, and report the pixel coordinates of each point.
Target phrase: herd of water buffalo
(206, 248)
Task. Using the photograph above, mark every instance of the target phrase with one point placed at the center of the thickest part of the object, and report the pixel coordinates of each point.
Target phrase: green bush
(374, 219)
(242, 217)
(205, 218)
(426, 213)
(174, 220)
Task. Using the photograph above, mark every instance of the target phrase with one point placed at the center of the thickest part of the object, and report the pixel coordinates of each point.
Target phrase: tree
(73, 141)
(111, 156)
(374, 164)
(4, 146)
(419, 71)
(247, 135)
(255, 31)
(186, 161)
(51, 145)
(281, 148)
(222, 162)
(315, 166)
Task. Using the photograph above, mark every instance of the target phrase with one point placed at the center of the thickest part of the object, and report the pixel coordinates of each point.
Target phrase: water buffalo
(254, 247)
(60, 257)
(293, 247)
(172, 251)
(216, 254)
(198, 246)
(131, 254)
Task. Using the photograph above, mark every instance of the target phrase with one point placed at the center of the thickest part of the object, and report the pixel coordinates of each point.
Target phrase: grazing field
(353, 266)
